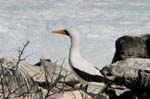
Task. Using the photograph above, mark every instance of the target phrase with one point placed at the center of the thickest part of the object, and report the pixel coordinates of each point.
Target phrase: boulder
(52, 71)
(35, 72)
(126, 47)
(132, 47)
(133, 73)
(78, 94)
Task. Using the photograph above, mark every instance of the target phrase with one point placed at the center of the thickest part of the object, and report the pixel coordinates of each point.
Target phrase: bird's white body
(77, 61)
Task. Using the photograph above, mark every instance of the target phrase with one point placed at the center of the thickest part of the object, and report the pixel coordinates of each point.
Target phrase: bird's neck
(75, 49)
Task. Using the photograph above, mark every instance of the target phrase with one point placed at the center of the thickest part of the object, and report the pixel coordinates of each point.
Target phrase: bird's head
(69, 32)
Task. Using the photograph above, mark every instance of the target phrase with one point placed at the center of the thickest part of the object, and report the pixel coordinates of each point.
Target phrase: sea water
(100, 23)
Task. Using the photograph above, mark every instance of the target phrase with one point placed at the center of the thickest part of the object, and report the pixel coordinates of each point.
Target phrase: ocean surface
(100, 23)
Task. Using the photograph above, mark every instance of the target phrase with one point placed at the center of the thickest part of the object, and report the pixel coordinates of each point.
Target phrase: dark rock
(127, 95)
(131, 72)
(131, 47)
(44, 85)
(134, 73)
(40, 63)
(147, 42)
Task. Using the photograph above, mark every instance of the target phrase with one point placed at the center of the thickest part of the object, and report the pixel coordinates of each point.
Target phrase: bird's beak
(59, 32)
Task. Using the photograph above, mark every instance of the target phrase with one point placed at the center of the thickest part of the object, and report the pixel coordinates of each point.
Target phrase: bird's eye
(66, 32)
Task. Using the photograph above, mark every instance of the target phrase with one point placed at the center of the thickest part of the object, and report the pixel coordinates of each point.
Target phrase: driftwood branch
(21, 52)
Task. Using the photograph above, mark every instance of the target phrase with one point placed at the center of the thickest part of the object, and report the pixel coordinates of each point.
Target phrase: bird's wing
(86, 67)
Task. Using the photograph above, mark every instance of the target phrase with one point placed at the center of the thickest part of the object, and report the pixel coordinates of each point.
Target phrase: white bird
(82, 69)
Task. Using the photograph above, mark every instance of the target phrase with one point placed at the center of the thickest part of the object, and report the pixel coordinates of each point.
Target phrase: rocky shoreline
(57, 76)
(128, 76)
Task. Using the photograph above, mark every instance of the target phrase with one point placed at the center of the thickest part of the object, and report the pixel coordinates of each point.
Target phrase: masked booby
(83, 70)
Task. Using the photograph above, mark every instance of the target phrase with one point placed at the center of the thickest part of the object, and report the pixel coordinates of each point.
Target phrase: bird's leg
(84, 87)
(81, 86)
